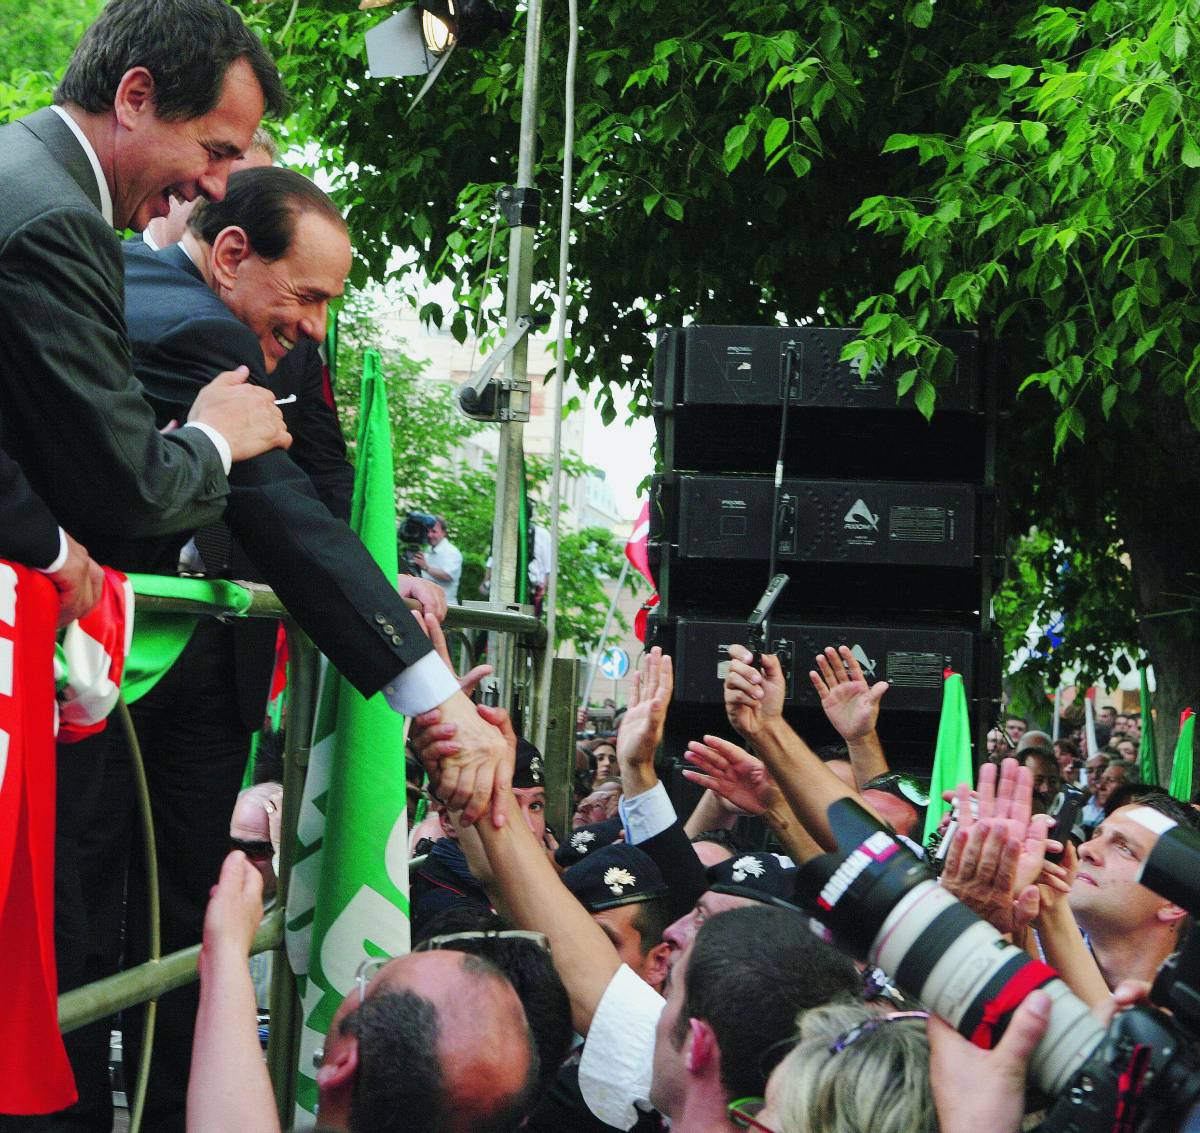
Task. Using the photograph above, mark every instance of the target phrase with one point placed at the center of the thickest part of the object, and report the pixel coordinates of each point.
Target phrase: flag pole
(1057, 713)
(612, 609)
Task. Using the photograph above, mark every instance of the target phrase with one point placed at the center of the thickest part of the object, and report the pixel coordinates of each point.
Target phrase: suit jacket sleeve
(320, 449)
(79, 425)
(28, 532)
(312, 560)
(682, 870)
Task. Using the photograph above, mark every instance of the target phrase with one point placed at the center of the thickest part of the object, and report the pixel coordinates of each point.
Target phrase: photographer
(443, 561)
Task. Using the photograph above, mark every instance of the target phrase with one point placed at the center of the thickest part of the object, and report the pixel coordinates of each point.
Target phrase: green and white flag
(348, 896)
(1147, 758)
(952, 754)
(1181, 765)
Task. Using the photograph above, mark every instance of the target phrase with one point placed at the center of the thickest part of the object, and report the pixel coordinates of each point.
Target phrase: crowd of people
(162, 409)
(682, 977)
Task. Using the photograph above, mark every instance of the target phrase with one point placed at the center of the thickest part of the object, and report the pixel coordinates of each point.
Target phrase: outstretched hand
(234, 908)
(641, 728)
(468, 760)
(850, 704)
(753, 697)
(732, 773)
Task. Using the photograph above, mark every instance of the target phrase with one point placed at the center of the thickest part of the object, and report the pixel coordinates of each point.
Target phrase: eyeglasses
(868, 1025)
(743, 1112)
(450, 939)
(366, 973)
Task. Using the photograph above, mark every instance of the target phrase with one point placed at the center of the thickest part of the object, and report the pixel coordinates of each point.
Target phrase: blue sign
(614, 663)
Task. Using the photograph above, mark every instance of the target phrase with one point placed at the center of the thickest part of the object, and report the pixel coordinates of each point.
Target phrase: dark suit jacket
(71, 414)
(180, 331)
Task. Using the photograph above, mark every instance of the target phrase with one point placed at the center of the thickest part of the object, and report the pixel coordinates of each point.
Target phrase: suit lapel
(64, 147)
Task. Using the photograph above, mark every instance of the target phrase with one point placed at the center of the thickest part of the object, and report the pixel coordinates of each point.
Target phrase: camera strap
(1029, 977)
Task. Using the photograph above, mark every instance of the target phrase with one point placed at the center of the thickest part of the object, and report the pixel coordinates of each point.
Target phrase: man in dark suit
(80, 447)
(251, 280)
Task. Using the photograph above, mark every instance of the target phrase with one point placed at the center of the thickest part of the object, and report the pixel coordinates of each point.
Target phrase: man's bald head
(440, 1043)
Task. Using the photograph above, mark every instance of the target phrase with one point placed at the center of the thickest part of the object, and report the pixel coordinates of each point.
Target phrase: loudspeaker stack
(888, 525)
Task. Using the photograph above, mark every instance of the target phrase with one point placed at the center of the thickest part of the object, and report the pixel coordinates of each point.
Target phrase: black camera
(883, 906)
(411, 536)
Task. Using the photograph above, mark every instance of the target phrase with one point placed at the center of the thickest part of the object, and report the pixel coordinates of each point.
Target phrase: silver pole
(1057, 712)
(509, 463)
(612, 609)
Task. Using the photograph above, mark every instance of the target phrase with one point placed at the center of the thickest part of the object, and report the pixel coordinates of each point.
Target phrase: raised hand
(731, 772)
(851, 705)
(1008, 798)
(641, 727)
(753, 698)
(234, 908)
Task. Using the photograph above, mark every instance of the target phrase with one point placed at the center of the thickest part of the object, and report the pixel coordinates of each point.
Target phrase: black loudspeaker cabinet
(718, 392)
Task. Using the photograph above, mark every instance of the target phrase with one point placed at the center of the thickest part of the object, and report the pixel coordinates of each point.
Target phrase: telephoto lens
(883, 906)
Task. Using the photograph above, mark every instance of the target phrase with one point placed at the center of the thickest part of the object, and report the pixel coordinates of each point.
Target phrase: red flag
(35, 1076)
(637, 549)
(640, 618)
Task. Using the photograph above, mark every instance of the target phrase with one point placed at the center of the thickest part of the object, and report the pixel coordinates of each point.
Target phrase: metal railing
(161, 974)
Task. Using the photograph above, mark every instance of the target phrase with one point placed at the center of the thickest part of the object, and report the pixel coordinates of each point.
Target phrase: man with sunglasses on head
(435, 1041)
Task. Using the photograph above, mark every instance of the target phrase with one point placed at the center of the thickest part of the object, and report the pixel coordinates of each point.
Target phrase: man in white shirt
(443, 561)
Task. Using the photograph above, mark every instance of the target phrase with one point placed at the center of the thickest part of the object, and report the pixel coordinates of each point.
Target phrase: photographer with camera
(443, 561)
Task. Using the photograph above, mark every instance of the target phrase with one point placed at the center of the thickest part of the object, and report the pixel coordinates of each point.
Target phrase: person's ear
(229, 250)
(447, 825)
(134, 98)
(337, 1070)
(1171, 914)
(657, 965)
(701, 1047)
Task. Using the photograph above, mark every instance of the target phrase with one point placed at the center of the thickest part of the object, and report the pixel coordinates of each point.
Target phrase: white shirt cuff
(646, 815)
(219, 443)
(423, 685)
(60, 558)
(618, 1056)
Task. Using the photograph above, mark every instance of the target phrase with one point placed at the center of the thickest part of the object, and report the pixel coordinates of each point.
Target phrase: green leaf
(1103, 159)
(735, 139)
(777, 131)
(673, 208)
(899, 142)
(905, 382)
(649, 201)
(925, 397)
(921, 15)
(1034, 132)
(1108, 399)
(1190, 155)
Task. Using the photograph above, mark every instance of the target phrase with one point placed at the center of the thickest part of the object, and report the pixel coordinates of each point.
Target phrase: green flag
(1147, 757)
(1181, 766)
(349, 893)
(952, 755)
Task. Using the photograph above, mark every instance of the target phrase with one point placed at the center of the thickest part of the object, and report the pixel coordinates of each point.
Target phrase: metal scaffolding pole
(509, 464)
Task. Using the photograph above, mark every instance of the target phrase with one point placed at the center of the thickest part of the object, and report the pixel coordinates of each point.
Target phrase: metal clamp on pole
(521, 207)
(486, 397)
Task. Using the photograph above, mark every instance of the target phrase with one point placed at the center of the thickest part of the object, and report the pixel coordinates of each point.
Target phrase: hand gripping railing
(160, 974)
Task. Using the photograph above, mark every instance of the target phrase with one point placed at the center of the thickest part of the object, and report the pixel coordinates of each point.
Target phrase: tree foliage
(1028, 167)
(429, 435)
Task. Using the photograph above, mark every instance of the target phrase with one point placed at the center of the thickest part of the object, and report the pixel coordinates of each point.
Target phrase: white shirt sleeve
(219, 443)
(60, 558)
(618, 1057)
(646, 815)
(423, 685)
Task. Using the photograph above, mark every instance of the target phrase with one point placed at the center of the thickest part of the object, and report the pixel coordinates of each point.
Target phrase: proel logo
(860, 518)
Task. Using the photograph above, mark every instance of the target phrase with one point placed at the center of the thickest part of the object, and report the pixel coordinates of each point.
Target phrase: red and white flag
(35, 1076)
(637, 549)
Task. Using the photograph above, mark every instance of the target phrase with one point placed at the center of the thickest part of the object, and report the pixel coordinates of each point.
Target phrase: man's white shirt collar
(106, 205)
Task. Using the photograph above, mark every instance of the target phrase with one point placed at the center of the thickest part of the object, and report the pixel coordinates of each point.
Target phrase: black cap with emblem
(528, 771)
(586, 839)
(614, 875)
(760, 877)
